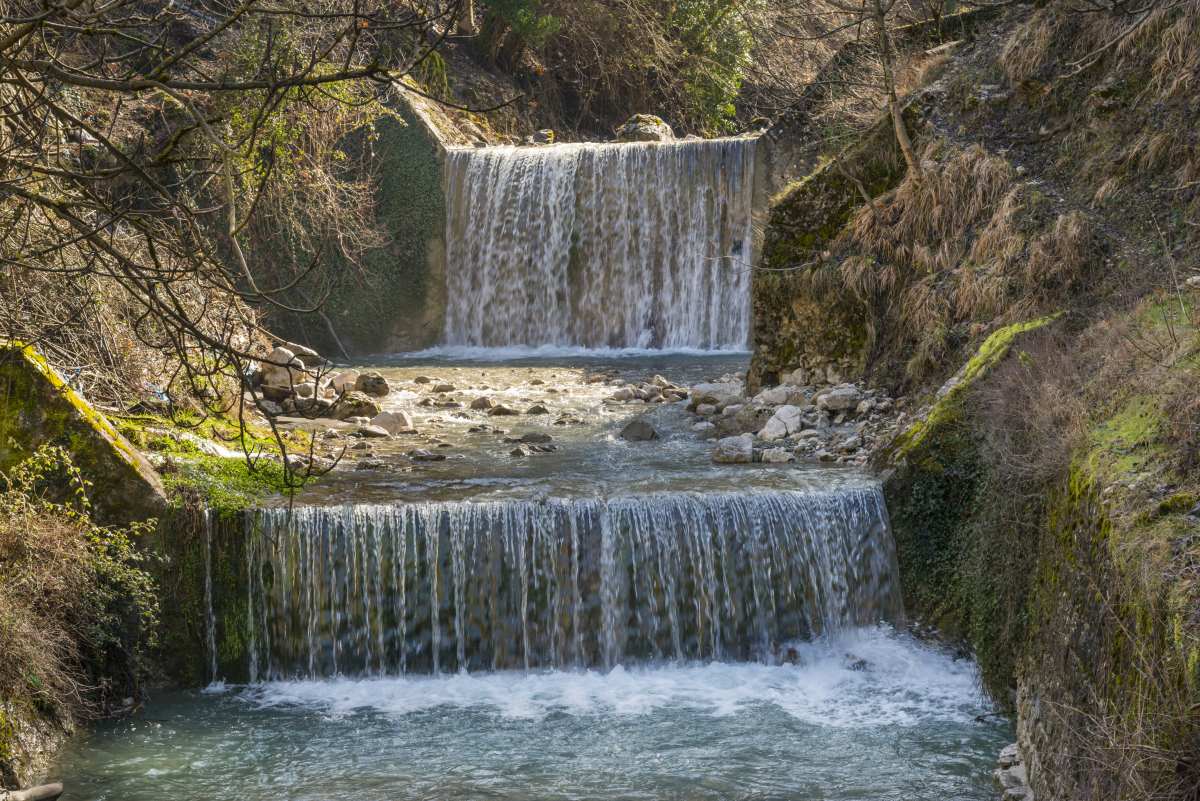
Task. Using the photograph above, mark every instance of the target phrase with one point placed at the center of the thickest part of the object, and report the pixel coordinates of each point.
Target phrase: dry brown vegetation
(76, 610)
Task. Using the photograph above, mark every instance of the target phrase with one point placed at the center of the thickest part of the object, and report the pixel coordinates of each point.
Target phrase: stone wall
(395, 299)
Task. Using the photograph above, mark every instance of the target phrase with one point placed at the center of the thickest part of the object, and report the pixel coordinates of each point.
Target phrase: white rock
(344, 381)
(773, 396)
(703, 426)
(734, 450)
(306, 389)
(777, 456)
(393, 422)
(841, 398)
(706, 409)
(785, 421)
(732, 409)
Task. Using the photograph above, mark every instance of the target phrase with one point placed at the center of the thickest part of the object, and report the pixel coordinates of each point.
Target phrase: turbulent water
(383, 590)
(864, 715)
(600, 245)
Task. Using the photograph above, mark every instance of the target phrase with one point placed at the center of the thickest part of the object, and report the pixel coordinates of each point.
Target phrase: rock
(536, 438)
(661, 382)
(518, 452)
(732, 409)
(734, 450)
(774, 396)
(785, 421)
(306, 389)
(422, 455)
(623, 394)
(542, 137)
(864, 407)
(638, 431)
(825, 456)
(38, 408)
(777, 456)
(1009, 756)
(502, 411)
(1193, 282)
(840, 398)
(372, 383)
(719, 394)
(444, 388)
(373, 432)
(393, 422)
(852, 443)
(645, 128)
(344, 381)
(704, 426)
(537, 408)
(355, 404)
(706, 409)
(275, 394)
(482, 404)
(423, 379)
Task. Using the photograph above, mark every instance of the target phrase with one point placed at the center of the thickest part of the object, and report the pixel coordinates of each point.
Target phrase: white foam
(519, 352)
(903, 684)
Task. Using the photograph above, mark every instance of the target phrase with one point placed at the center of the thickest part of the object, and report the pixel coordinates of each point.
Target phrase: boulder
(393, 422)
(444, 387)
(796, 378)
(38, 408)
(482, 404)
(536, 438)
(734, 450)
(355, 404)
(719, 394)
(777, 456)
(502, 411)
(840, 398)
(373, 432)
(638, 431)
(785, 422)
(706, 409)
(645, 128)
(775, 396)
(344, 381)
(372, 383)
(537, 408)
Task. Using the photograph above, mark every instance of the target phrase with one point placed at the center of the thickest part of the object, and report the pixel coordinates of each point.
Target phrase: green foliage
(526, 19)
(715, 45)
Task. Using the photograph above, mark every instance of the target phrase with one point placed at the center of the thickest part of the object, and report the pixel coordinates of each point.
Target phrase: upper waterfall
(640, 245)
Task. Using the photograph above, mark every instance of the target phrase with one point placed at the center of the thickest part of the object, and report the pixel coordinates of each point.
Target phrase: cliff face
(1045, 508)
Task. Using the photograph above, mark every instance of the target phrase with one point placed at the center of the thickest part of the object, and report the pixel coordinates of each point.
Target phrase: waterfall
(210, 620)
(642, 245)
(381, 590)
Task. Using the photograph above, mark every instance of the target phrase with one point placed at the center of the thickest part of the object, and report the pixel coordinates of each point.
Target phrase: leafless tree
(140, 139)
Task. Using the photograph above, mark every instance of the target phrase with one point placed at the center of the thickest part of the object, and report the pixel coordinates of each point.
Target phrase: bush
(77, 609)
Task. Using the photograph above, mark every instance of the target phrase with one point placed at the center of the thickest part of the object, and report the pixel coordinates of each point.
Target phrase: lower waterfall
(439, 587)
(637, 245)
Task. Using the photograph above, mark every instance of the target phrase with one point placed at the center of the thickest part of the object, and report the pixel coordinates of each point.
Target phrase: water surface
(866, 715)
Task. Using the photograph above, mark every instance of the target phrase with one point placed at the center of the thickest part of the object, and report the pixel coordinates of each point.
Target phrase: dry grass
(967, 247)
(75, 609)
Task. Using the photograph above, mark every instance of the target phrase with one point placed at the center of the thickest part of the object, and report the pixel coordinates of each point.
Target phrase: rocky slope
(1044, 501)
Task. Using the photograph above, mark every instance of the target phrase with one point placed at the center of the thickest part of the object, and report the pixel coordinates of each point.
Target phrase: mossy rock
(37, 407)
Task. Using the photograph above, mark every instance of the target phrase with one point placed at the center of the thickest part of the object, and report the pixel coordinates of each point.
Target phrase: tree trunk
(889, 81)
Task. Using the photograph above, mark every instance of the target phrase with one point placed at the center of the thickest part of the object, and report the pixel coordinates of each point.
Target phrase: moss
(37, 408)
(947, 409)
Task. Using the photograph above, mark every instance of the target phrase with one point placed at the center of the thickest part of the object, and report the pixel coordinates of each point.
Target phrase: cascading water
(379, 590)
(643, 245)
